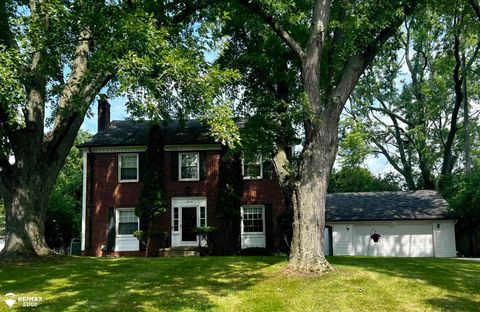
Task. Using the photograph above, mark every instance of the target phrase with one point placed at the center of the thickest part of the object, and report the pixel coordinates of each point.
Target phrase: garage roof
(377, 206)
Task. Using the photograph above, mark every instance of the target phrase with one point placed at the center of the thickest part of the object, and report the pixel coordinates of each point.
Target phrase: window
(253, 168)
(252, 218)
(175, 219)
(188, 166)
(127, 221)
(203, 217)
(128, 167)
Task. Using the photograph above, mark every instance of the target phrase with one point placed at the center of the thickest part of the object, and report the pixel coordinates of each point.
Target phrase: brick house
(113, 168)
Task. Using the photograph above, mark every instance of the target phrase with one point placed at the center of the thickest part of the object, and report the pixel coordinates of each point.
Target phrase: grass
(243, 284)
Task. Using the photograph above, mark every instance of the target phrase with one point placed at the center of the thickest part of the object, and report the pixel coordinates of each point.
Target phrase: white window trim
(178, 219)
(261, 169)
(120, 168)
(263, 219)
(180, 167)
(117, 222)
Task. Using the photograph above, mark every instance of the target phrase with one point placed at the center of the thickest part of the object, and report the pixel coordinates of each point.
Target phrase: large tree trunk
(25, 209)
(309, 199)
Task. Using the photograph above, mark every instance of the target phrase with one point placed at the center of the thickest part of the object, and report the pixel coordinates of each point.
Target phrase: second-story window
(253, 168)
(128, 167)
(188, 166)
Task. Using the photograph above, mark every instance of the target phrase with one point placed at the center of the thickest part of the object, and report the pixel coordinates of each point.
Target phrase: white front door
(187, 213)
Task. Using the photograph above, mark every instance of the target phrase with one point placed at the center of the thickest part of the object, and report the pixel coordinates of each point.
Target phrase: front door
(188, 224)
(187, 213)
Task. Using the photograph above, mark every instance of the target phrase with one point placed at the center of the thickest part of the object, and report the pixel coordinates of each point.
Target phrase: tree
(63, 216)
(152, 198)
(2, 220)
(358, 179)
(229, 199)
(412, 115)
(58, 56)
(332, 43)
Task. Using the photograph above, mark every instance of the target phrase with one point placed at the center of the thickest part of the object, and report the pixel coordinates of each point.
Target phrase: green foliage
(353, 146)
(230, 187)
(205, 230)
(463, 196)
(406, 99)
(64, 209)
(152, 198)
(358, 179)
(229, 198)
(144, 236)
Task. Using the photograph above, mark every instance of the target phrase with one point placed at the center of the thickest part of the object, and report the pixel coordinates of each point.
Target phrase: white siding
(127, 244)
(253, 240)
(444, 239)
(398, 239)
(342, 240)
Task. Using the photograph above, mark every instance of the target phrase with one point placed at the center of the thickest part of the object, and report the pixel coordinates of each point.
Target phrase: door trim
(180, 202)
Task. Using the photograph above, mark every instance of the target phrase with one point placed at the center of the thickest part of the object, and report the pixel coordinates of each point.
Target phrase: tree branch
(77, 95)
(276, 27)
(391, 114)
(358, 62)
(476, 7)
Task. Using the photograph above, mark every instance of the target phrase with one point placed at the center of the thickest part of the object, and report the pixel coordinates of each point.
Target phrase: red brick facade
(104, 191)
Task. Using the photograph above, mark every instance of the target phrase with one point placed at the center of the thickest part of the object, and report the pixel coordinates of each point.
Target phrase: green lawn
(244, 284)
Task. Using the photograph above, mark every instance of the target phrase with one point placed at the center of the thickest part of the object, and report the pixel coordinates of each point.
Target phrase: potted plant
(204, 234)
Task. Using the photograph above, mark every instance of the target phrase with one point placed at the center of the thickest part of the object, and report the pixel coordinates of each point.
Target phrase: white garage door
(397, 240)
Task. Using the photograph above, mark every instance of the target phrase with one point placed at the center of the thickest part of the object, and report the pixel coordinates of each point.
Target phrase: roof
(135, 133)
(378, 206)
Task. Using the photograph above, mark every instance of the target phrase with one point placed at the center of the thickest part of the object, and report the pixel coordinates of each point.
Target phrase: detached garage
(389, 224)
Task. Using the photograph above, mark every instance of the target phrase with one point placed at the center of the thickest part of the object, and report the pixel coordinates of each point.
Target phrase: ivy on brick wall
(152, 198)
(229, 199)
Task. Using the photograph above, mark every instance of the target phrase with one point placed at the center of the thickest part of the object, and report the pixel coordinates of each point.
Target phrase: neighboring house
(410, 223)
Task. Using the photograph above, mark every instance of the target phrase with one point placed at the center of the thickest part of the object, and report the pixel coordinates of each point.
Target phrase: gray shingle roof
(134, 133)
(377, 206)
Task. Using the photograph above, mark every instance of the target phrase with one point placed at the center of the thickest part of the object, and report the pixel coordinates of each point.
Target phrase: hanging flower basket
(375, 237)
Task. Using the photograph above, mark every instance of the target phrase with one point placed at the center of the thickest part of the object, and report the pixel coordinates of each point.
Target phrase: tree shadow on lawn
(138, 284)
(453, 303)
(452, 275)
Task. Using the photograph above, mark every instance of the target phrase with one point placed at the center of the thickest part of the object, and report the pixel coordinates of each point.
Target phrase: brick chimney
(103, 113)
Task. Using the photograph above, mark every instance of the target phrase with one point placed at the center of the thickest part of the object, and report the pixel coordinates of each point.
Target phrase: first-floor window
(252, 218)
(127, 221)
